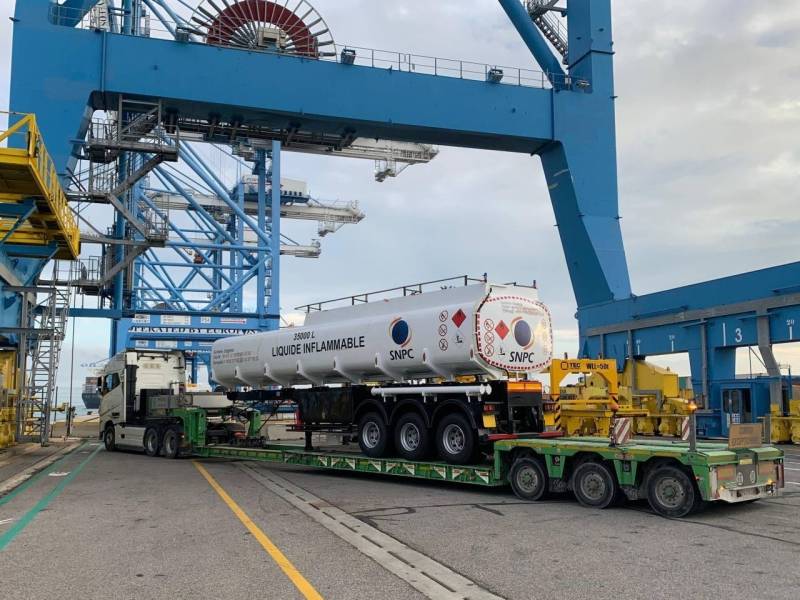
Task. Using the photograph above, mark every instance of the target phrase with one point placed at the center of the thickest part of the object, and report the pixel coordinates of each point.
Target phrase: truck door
(111, 392)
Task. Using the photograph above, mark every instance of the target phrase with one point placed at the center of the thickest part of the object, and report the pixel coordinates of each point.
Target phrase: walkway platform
(33, 206)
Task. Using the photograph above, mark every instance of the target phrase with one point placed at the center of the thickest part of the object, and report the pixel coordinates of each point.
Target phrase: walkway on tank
(126, 525)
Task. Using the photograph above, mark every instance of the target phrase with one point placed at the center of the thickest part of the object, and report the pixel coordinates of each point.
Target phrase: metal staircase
(46, 313)
(552, 29)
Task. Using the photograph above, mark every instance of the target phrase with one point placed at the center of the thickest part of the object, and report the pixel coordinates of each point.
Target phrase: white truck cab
(126, 382)
(142, 392)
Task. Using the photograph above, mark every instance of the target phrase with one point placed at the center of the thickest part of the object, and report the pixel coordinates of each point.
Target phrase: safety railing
(44, 171)
(413, 289)
(350, 55)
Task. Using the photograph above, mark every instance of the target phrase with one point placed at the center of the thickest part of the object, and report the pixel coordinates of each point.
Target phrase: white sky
(708, 122)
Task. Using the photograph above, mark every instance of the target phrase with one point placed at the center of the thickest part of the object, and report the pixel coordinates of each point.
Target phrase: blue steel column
(261, 279)
(581, 168)
(274, 306)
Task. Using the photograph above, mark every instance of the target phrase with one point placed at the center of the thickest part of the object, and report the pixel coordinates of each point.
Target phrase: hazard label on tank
(516, 334)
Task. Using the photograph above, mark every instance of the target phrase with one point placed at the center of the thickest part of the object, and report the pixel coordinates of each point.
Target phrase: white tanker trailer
(354, 365)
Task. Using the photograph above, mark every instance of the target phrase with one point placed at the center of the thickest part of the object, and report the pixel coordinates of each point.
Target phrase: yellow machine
(786, 428)
(8, 391)
(650, 395)
(587, 408)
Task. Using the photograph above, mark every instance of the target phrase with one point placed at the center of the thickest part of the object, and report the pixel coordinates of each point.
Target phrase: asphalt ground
(122, 525)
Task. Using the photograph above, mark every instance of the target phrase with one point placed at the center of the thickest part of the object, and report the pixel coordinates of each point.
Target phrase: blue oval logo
(400, 332)
(522, 333)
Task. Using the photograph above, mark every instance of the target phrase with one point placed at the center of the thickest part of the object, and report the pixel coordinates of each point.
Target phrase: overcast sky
(708, 128)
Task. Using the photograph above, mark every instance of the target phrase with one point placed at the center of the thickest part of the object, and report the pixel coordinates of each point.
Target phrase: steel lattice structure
(563, 113)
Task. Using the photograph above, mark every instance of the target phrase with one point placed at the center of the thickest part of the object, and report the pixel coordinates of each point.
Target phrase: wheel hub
(371, 435)
(593, 486)
(670, 492)
(410, 437)
(528, 479)
(454, 439)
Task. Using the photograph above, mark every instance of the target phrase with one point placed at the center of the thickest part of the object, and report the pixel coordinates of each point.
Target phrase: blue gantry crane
(109, 56)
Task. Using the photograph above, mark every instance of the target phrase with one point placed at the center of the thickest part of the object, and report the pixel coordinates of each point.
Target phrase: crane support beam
(572, 127)
(372, 102)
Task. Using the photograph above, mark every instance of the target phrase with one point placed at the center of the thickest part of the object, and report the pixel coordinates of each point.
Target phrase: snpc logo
(400, 332)
(523, 334)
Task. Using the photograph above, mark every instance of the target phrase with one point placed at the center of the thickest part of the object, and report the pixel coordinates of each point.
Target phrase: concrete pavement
(129, 526)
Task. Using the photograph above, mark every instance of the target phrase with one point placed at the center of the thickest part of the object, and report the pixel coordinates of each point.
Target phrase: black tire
(373, 435)
(528, 479)
(671, 492)
(456, 440)
(152, 442)
(412, 438)
(595, 485)
(172, 443)
(110, 438)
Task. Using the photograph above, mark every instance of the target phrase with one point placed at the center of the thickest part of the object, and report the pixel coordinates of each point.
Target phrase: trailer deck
(557, 453)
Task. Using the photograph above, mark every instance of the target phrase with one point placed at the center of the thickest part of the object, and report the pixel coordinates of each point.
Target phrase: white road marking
(792, 483)
(4, 521)
(58, 474)
(431, 578)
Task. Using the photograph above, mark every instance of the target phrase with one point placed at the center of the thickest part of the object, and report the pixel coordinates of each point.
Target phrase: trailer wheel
(373, 435)
(172, 443)
(455, 439)
(594, 485)
(670, 492)
(411, 437)
(152, 442)
(110, 438)
(528, 479)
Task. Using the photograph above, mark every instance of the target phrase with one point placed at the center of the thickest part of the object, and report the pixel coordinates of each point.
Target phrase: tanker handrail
(408, 290)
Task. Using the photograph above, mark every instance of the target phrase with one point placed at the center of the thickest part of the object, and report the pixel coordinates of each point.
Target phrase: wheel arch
(449, 407)
(656, 462)
(573, 462)
(370, 406)
(409, 405)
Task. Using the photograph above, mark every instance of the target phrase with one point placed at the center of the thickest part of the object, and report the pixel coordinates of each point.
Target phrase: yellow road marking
(300, 582)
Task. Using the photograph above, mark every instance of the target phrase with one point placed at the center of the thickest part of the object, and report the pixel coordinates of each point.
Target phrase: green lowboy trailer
(673, 477)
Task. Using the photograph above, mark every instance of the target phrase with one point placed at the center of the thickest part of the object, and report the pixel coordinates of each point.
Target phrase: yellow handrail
(44, 171)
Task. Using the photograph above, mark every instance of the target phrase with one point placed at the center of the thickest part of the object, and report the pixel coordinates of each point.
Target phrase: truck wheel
(528, 479)
(670, 492)
(456, 440)
(411, 437)
(152, 442)
(110, 438)
(172, 443)
(373, 435)
(594, 485)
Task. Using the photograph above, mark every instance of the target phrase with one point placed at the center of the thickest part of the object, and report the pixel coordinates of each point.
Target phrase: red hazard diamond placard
(502, 330)
(459, 318)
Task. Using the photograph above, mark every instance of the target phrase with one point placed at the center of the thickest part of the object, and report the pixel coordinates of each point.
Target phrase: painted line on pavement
(20, 482)
(300, 582)
(428, 576)
(29, 516)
